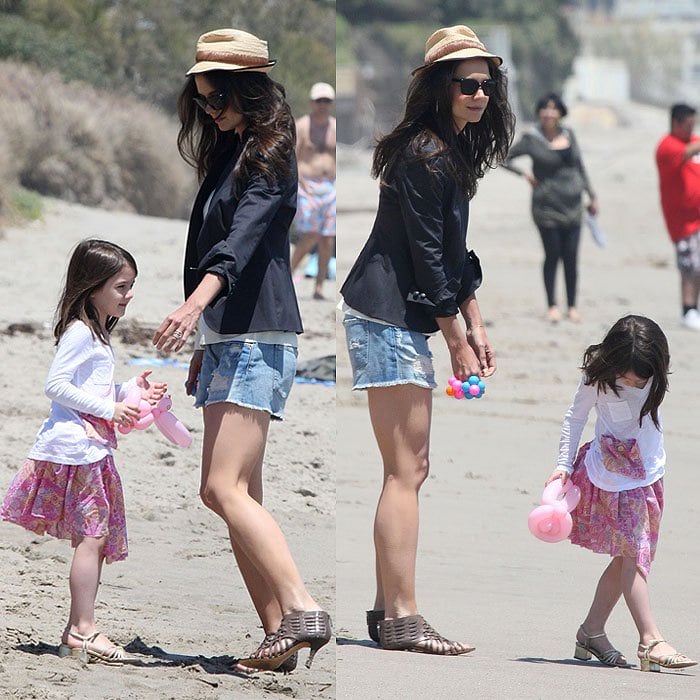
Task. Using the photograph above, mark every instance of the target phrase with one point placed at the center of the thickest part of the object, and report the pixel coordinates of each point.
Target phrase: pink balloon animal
(159, 414)
(551, 521)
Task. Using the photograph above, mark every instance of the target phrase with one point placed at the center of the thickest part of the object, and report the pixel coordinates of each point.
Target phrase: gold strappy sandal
(610, 657)
(114, 655)
(647, 662)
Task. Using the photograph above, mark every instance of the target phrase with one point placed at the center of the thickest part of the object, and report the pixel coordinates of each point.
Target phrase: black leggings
(560, 243)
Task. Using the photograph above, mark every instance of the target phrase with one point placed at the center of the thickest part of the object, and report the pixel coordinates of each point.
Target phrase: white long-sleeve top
(617, 416)
(81, 380)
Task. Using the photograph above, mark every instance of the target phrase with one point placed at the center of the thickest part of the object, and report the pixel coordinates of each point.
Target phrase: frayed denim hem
(274, 416)
(395, 382)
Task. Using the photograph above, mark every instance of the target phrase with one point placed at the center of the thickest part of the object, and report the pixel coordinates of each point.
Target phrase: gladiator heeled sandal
(413, 633)
(287, 666)
(297, 630)
(373, 618)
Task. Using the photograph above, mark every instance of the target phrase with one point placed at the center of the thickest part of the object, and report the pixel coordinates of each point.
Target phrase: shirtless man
(315, 220)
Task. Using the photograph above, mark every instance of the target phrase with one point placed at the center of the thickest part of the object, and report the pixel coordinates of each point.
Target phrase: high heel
(287, 666)
(647, 662)
(297, 630)
(584, 650)
(373, 618)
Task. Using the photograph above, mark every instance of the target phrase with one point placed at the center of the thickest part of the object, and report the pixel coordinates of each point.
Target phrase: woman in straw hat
(237, 131)
(415, 277)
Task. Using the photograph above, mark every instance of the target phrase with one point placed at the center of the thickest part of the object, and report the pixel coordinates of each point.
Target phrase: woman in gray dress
(558, 181)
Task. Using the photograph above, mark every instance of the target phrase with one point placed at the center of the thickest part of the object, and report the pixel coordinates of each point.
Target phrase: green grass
(27, 205)
(344, 54)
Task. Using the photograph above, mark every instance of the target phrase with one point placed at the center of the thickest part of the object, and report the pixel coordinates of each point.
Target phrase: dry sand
(481, 576)
(178, 597)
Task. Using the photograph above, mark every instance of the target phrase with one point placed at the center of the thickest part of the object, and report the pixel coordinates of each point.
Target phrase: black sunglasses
(469, 86)
(217, 101)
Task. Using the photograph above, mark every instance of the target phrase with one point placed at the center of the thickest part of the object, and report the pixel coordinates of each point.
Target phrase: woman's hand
(593, 207)
(152, 393)
(558, 474)
(193, 374)
(479, 342)
(531, 179)
(464, 361)
(176, 328)
(477, 338)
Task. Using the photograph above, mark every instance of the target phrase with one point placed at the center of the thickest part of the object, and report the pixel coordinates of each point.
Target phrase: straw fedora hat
(455, 44)
(231, 49)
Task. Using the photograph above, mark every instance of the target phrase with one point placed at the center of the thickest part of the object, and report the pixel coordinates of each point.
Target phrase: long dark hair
(427, 128)
(636, 344)
(269, 120)
(92, 263)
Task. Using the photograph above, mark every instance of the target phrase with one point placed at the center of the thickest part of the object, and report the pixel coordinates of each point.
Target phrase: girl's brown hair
(636, 344)
(92, 263)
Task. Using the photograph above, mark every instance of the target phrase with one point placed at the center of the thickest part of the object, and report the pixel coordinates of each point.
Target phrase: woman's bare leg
(400, 418)
(234, 444)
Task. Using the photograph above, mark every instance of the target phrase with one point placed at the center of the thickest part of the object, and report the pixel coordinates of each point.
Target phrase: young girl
(69, 485)
(620, 474)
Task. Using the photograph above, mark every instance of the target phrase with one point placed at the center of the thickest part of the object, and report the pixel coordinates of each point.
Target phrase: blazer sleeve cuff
(472, 277)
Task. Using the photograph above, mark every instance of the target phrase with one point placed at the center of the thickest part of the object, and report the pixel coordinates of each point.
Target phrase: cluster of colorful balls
(473, 388)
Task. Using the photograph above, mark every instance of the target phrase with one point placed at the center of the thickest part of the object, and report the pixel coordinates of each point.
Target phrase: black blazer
(415, 265)
(244, 238)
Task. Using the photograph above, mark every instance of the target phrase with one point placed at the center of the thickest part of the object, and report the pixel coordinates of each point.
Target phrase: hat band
(451, 47)
(231, 57)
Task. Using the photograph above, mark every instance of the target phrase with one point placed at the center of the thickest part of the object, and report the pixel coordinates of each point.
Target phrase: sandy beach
(482, 577)
(178, 598)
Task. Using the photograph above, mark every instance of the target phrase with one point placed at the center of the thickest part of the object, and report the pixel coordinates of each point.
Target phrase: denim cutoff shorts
(383, 355)
(247, 373)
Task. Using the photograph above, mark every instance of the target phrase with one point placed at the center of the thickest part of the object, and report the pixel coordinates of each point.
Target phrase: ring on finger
(177, 334)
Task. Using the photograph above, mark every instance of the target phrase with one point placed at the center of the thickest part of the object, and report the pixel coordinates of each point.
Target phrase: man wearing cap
(315, 219)
(678, 161)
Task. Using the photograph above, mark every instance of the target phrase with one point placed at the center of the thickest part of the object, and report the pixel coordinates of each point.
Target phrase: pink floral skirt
(70, 501)
(621, 524)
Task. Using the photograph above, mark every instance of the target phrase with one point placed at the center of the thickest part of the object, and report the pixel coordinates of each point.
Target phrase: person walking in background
(238, 132)
(315, 220)
(678, 163)
(620, 474)
(558, 180)
(69, 486)
(414, 277)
